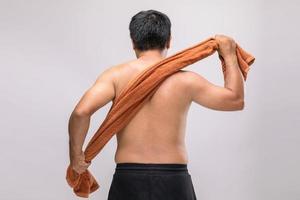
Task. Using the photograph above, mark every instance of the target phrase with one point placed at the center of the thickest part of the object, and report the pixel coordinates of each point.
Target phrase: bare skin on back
(156, 134)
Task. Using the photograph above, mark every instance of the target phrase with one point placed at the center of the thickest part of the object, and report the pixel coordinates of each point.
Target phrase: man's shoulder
(190, 77)
(118, 67)
(114, 72)
(183, 76)
(186, 80)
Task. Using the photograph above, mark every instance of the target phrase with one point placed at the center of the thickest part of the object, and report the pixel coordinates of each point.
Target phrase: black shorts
(143, 181)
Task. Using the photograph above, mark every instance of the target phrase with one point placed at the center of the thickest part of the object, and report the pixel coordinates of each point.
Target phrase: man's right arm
(227, 98)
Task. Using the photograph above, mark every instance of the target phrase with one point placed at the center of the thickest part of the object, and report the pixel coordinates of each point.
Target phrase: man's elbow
(81, 113)
(240, 104)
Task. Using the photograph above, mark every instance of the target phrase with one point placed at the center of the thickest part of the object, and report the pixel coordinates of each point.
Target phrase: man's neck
(151, 55)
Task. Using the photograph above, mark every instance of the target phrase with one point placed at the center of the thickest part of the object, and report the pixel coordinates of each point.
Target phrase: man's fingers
(81, 167)
(80, 170)
(86, 163)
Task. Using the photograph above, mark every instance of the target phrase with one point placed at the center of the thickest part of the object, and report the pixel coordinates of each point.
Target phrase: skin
(157, 132)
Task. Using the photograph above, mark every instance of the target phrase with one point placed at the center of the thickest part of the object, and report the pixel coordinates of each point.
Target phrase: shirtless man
(151, 158)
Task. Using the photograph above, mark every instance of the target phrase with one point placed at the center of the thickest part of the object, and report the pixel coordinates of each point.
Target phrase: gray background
(52, 51)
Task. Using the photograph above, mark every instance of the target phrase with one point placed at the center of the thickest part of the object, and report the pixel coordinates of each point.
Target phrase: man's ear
(133, 47)
(169, 42)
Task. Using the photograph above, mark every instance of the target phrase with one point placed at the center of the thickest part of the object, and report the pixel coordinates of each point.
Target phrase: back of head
(149, 30)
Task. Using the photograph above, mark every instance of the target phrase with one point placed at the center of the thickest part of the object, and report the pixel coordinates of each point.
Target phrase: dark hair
(150, 29)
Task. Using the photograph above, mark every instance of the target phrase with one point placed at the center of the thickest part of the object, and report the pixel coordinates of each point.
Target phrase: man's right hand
(78, 163)
(227, 46)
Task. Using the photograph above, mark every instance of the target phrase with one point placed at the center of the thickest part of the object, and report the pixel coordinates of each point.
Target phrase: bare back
(156, 134)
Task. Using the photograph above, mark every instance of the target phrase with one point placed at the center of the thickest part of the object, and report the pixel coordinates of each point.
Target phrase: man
(151, 158)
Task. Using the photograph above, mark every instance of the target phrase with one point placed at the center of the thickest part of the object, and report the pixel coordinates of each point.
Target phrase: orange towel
(135, 94)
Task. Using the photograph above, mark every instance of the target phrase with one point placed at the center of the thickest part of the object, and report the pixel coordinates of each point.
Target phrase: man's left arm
(98, 95)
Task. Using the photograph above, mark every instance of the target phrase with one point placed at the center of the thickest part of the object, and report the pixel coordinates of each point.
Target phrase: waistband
(151, 166)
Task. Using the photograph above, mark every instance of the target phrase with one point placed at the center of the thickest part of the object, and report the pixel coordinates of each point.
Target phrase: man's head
(150, 30)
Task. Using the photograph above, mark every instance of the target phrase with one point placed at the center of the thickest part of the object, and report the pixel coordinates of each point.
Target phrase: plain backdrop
(51, 52)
